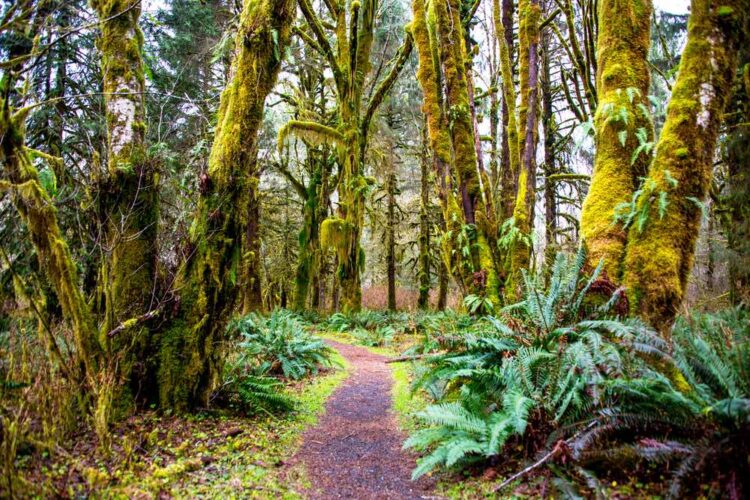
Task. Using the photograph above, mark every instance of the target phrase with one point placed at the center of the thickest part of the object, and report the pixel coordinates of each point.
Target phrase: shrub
(698, 424)
(525, 376)
(279, 345)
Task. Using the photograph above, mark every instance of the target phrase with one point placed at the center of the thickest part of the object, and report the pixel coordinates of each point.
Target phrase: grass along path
(355, 449)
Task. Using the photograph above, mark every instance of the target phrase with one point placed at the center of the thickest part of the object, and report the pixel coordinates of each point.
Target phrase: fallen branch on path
(401, 359)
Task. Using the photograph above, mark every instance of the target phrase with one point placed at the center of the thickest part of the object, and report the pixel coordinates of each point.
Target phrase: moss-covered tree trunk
(528, 114)
(623, 123)
(35, 207)
(423, 273)
(252, 258)
(390, 238)
(734, 201)
(128, 193)
(440, 41)
(660, 252)
(549, 126)
(503, 21)
(208, 284)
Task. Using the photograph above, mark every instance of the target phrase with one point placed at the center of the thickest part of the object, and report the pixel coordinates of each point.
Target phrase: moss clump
(622, 122)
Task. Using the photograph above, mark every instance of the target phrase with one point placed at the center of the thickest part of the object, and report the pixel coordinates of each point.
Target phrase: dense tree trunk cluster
(159, 330)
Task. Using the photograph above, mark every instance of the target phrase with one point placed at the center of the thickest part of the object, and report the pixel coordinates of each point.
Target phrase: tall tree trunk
(523, 212)
(423, 275)
(550, 131)
(623, 123)
(735, 200)
(32, 202)
(508, 167)
(128, 192)
(390, 240)
(209, 283)
(659, 255)
(253, 267)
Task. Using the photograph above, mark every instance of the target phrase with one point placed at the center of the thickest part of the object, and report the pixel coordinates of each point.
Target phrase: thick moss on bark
(424, 274)
(660, 255)
(450, 129)
(622, 122)
(209, 282)
(127, 190)
(523, 212)
(511, 158)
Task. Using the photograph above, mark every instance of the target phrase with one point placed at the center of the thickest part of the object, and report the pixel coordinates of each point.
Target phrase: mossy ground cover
(210, 454)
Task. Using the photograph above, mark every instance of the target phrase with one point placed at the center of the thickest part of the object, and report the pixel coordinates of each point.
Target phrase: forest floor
(355, 449)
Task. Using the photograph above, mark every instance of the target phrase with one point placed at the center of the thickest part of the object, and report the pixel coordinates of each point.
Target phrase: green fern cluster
(489, 390)
(697, 422)
(256, 393)
(615, 391)
(279, 344)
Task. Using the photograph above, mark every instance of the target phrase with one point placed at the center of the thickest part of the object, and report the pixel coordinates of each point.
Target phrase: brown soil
(355, 450)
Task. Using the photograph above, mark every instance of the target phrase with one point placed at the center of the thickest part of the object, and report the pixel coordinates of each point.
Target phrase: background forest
(538, 207)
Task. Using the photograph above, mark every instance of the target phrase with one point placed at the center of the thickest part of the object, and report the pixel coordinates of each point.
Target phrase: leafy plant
(696, 421)
(255, 393)
(280, 345)
(524, 381)
(477, 304)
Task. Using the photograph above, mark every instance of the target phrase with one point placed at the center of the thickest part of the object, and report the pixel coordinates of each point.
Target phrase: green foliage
(544, 372)
(477, 304)
(260, 392)
(696, 431)
(279, 345)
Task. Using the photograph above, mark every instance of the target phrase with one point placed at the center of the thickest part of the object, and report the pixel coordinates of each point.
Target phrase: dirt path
(355, 450)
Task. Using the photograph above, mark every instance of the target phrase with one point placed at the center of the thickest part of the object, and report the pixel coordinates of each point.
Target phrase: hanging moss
(659, 254)
(622, 123)
(40, 216)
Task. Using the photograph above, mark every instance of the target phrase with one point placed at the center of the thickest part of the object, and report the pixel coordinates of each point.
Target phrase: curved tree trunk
(209, 283)
(623, 122)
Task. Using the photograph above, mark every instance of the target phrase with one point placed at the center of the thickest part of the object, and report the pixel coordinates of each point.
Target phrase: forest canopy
(502, 192)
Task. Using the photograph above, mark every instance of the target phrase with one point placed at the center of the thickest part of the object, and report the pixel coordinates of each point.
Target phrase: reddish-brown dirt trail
(355, 449)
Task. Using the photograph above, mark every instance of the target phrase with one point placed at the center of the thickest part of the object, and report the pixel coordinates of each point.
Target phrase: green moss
(622, 88)
(191, 356)
(40, 217)
(659, 257)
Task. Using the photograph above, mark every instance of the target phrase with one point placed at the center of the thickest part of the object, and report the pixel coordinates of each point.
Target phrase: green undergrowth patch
(405, 402)
(208, 455)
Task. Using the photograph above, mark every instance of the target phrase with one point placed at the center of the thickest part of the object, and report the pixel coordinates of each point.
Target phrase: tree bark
(621, 115)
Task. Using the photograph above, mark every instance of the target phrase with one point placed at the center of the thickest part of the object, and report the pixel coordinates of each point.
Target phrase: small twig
(133, 322)
(557, 450)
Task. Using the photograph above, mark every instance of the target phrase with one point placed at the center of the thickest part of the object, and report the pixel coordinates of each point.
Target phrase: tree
(660, 250)
(623, 128)
(209, 281)
(350, 66)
